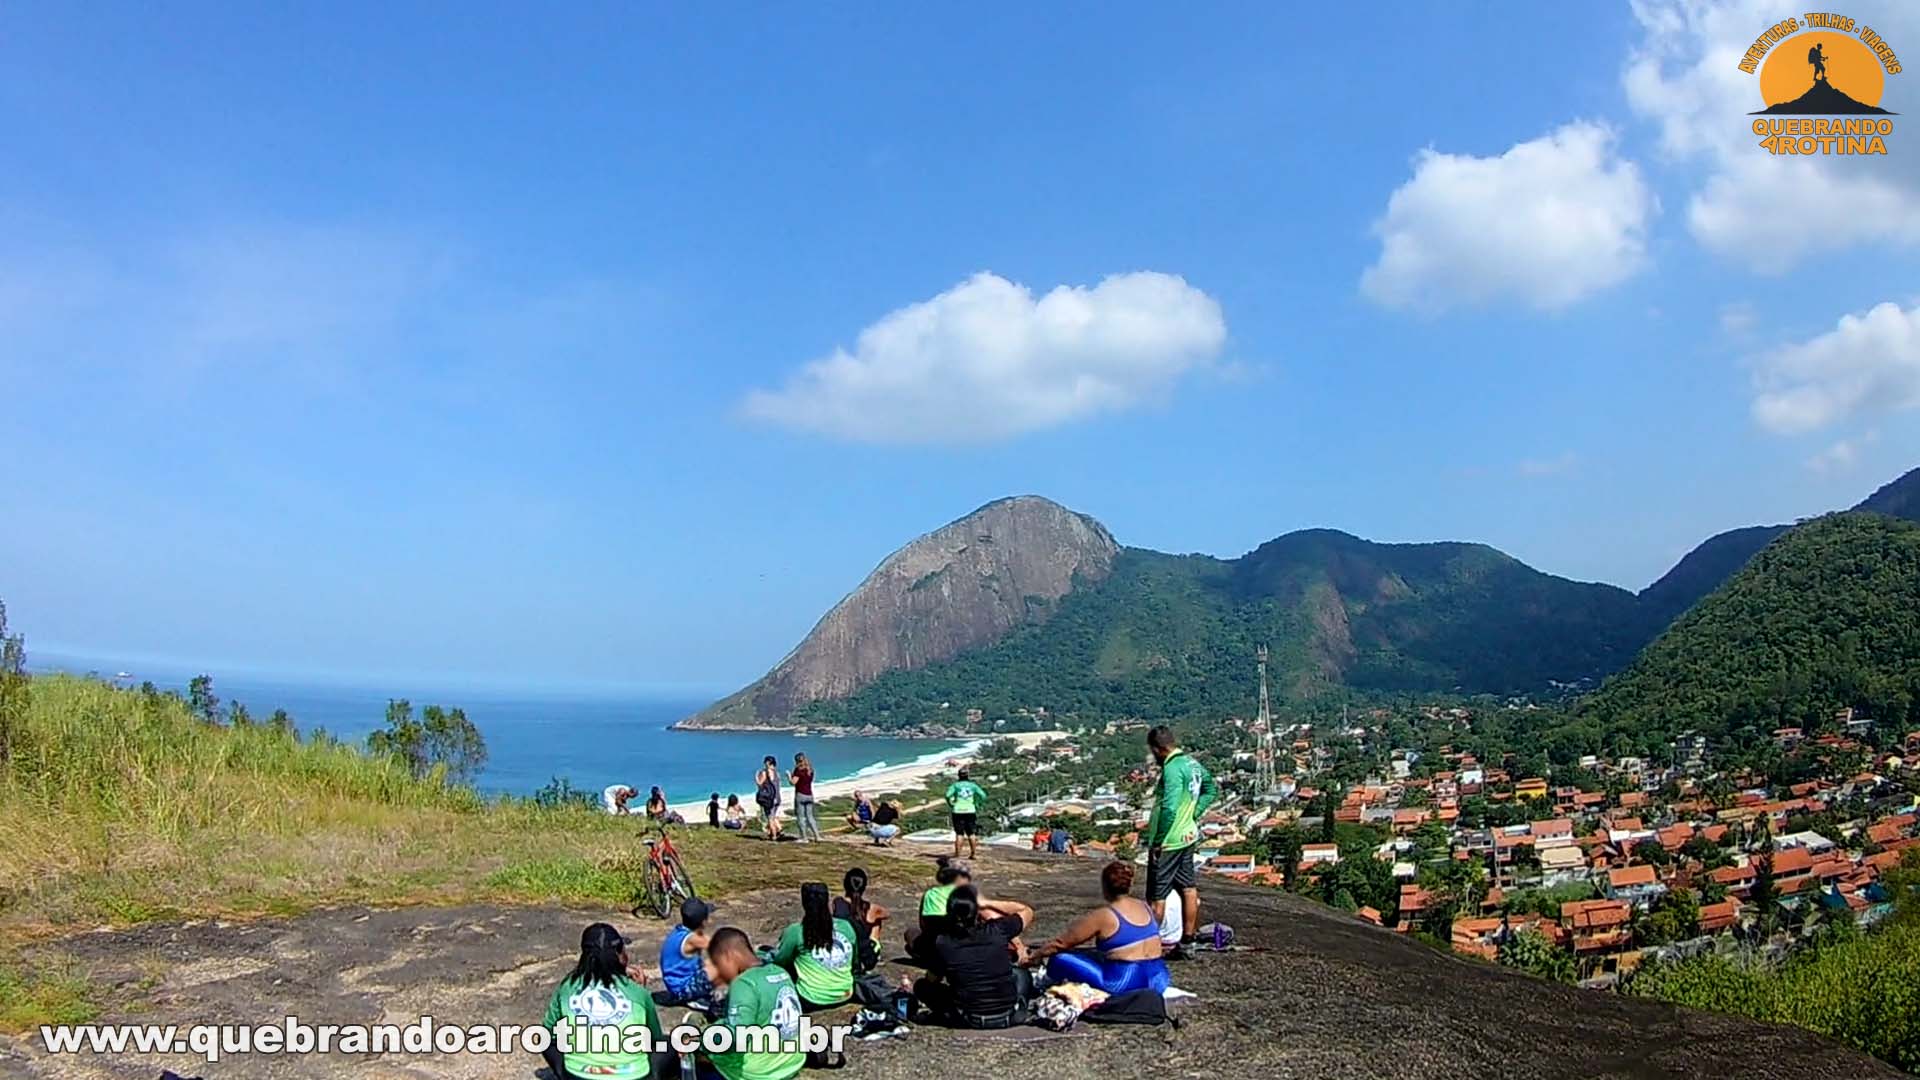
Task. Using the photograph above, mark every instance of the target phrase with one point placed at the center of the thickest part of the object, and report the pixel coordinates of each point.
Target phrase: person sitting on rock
(973, 980)
(868, 918)
(598, 993)
(683, 970)
(820, 951)
(948, 875)
(1125, 938)
(757, 996)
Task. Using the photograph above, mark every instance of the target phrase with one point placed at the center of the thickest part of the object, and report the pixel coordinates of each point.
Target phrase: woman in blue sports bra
(1126, 942)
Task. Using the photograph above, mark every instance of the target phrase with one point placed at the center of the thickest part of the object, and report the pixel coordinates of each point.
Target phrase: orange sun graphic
(1851, 68)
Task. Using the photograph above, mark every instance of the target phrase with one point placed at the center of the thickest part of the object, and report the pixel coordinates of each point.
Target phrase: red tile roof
(1631, 876)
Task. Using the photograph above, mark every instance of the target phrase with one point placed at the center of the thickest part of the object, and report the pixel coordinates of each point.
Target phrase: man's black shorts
(965, 824)
(1168, 870)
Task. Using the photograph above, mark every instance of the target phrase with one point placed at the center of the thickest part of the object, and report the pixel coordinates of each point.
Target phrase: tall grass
(122, 807)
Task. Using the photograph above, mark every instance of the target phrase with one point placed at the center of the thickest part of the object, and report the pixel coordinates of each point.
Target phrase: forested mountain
(1708, 566)
(1827, 616)
(1168, 635)
(1025, 605)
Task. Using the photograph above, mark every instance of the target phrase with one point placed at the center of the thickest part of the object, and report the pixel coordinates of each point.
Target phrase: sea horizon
(592, 735)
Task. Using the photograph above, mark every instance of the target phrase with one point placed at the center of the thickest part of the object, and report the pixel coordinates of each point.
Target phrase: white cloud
(1549, 222)
(987, 360)
(1738, 318)
(1842, 456)
(1538, 468)
(1869, 363)
(1770, 212)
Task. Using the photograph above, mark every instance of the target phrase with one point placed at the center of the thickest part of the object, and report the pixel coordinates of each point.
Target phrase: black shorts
(1168, 870)
(966, 824)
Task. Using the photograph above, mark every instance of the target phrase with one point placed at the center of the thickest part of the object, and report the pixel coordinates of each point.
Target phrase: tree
(282, 723)
(201, 699)
(1763, 896)
(1530, 951)
(453, 742)
(1284, 847)
(238, 716)
(402, 738)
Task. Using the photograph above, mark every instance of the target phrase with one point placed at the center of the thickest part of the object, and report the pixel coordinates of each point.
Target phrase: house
(1717, 917)
(1533, 788)
(1561, 864)
(1599, 931)
(1552, 833)
(1812, 841)
(1639, 885)
(1738, 879)
(1319, 853)
(1231, 864)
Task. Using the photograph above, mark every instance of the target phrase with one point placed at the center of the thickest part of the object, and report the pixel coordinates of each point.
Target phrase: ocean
(591, 737)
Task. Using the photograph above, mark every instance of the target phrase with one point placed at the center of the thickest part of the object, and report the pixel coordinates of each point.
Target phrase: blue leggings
(1112, 976)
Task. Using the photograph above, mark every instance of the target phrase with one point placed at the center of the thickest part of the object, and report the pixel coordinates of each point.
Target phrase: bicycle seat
(650, 841)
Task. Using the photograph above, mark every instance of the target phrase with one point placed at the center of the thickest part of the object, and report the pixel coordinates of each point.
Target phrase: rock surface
(1316, 994)
(959, 587)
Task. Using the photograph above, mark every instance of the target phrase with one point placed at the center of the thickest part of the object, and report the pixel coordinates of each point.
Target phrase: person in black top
(975, 981)
(713, 810)
(867, 917)
(885, 825)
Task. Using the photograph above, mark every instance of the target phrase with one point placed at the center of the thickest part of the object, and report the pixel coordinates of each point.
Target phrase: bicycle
(664, 881)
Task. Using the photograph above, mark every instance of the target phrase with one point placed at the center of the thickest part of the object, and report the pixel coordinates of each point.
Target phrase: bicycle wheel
(647, 898)
(679, 882)
(657, 886)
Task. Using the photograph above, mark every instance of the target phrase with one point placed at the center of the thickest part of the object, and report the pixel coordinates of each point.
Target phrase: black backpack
(1133, 1007)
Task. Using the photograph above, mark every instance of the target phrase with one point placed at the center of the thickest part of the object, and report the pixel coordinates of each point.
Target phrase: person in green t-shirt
(598, 995)
(949, 873)
(963, 803)
(757, 995)
(1185, 792)
(819, 950)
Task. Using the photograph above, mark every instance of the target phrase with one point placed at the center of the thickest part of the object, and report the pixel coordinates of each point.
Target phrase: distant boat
(123, 674)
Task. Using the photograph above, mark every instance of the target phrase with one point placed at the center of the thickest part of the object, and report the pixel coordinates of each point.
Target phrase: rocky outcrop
(957, 588)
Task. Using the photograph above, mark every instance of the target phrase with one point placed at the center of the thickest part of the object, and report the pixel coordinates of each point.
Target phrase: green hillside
(1169, 635)
(1825, 617)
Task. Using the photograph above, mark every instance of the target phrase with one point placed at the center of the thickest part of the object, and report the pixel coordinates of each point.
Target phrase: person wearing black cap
(599, 994)
(681, 968)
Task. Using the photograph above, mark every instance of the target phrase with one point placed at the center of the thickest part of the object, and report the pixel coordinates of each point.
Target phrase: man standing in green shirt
(963, 802)
(1186, 790)
(757, 995)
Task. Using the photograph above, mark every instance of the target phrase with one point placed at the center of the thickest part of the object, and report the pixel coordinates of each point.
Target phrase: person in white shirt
(614, 799)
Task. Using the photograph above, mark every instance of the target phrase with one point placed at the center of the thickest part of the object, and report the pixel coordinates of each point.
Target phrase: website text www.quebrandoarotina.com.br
(291, 1036)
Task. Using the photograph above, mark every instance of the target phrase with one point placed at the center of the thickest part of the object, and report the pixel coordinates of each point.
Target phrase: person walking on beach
(766, 792)
(963, 802)
(805, 811)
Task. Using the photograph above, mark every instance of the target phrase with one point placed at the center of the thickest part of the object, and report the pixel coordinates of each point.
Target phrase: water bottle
(687, 1071)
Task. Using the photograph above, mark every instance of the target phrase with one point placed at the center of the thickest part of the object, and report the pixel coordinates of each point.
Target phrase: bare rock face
(957, 588)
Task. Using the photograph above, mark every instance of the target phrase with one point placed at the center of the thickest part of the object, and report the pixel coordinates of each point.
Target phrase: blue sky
(355, 339)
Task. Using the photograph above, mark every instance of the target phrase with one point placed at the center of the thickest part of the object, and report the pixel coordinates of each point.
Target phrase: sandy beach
(912, 774)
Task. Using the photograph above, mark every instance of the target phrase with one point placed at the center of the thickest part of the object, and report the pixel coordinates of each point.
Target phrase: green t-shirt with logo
(625, 1005)
(965, 796)
(825, 976)
(1187, 789)
(762, 996)
(934, 900)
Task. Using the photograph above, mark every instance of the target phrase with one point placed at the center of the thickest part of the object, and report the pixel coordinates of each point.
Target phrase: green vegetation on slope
(1173, 636)
(1862, 989)
(1824, 618)
(124, 807)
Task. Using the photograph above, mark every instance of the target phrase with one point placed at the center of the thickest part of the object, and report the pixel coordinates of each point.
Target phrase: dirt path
(1320, 995)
